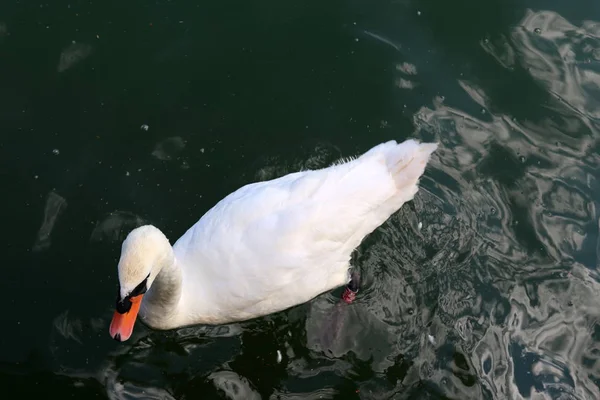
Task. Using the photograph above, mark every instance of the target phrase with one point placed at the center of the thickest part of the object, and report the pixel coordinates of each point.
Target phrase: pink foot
(348, 296)
(351, 288)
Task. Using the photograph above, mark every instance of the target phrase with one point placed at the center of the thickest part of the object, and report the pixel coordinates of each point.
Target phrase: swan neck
(161, 301)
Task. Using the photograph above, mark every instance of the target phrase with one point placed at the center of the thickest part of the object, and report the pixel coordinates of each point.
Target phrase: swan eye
(124, 305)
(141, 288)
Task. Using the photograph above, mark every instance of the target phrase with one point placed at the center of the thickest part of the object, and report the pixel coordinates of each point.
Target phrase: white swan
(267, 246)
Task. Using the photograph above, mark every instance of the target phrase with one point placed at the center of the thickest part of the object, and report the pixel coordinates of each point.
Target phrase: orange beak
(121, 326)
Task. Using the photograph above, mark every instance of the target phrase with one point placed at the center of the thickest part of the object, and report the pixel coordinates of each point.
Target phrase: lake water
(486, 286)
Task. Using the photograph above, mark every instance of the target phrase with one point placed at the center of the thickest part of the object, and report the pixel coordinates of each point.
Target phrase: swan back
(271, 245)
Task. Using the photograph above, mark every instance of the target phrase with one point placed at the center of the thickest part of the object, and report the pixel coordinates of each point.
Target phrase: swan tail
(406, 163)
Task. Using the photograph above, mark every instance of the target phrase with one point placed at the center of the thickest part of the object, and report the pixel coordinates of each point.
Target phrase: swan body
(267, 246)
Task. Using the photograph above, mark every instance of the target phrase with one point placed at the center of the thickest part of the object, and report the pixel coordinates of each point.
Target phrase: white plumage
(270, 245)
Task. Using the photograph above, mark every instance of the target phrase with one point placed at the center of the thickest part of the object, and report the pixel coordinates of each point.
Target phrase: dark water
(496, 296)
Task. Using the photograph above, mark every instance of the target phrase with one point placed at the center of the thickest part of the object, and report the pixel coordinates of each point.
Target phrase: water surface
(486, 286)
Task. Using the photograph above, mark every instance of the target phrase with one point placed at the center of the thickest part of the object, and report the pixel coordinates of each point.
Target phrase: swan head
(144, 253)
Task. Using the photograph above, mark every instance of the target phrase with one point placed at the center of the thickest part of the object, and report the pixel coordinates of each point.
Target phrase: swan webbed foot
(351, 288)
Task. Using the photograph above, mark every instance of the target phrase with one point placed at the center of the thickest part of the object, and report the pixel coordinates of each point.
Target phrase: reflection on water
(3, 31)
(526, 310)
(55, 204)
(562, 57)
(73, 54)
(486, 286)
(116, 226)
(233, 386)
(337, 330)
(168, 148)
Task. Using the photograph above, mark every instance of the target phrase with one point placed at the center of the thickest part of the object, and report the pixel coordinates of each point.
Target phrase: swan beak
(122, 324)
